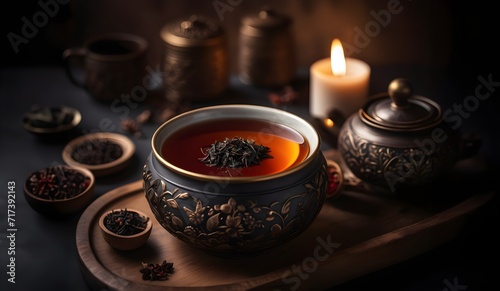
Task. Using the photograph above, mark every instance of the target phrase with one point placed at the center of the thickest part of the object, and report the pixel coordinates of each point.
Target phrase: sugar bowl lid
(401, 110)
(264, 22)
(196, 30)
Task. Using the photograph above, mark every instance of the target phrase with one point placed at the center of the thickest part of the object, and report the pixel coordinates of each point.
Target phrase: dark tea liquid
(184, 148)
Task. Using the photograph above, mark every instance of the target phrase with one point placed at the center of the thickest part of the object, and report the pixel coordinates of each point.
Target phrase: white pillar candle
(345, 91)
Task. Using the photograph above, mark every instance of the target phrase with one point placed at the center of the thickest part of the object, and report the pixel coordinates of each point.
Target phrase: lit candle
(338, 84)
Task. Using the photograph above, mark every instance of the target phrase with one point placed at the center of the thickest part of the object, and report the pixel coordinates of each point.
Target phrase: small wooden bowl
(59, 207)
(127, 146)
(52, 123)
(125, 242)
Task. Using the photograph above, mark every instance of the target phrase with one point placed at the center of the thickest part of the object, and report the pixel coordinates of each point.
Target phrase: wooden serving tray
(357, 233)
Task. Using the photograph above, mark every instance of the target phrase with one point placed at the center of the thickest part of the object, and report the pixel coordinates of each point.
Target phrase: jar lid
(196, 30)
(401, 110)
(265, 21)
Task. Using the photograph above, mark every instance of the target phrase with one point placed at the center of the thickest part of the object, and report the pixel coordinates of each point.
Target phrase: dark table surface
(45, 249)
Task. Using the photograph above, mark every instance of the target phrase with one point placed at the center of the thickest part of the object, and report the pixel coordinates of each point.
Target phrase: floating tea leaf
(236, 152)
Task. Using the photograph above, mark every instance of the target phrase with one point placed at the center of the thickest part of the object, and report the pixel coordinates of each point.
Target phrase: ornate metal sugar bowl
(400, 139)
(196, 59)
(266, 49)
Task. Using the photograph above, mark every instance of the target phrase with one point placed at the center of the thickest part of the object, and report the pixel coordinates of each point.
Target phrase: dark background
(455, 41)
(455, 37)
(426, 33)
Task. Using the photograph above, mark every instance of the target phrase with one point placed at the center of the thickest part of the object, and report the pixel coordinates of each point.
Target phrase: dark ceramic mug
(113, 64)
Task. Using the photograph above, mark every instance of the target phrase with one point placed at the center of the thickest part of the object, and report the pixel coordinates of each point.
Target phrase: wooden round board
(346, 241)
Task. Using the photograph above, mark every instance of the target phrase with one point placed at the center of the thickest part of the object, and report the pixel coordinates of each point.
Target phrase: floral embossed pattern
(230, 223)
(387, 166)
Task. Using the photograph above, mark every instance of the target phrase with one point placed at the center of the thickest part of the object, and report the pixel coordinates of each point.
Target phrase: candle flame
(328, 123)
(337, 58)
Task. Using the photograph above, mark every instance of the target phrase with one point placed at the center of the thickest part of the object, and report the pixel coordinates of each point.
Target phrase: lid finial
(400, 90)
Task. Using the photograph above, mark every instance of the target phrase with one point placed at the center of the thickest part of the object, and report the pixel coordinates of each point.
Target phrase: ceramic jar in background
(195, 60)
(113, 64)
(266, 55)
(398, 139)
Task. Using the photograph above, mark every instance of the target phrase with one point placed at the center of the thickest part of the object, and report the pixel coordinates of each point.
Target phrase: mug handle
(76, 52)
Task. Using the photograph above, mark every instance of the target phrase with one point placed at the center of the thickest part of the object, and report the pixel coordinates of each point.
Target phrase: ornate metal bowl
(236, 216)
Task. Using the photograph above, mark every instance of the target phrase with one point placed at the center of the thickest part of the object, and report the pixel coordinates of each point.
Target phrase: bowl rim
(149, 223)
(313, 151)
(123, 141)
(89, 188)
